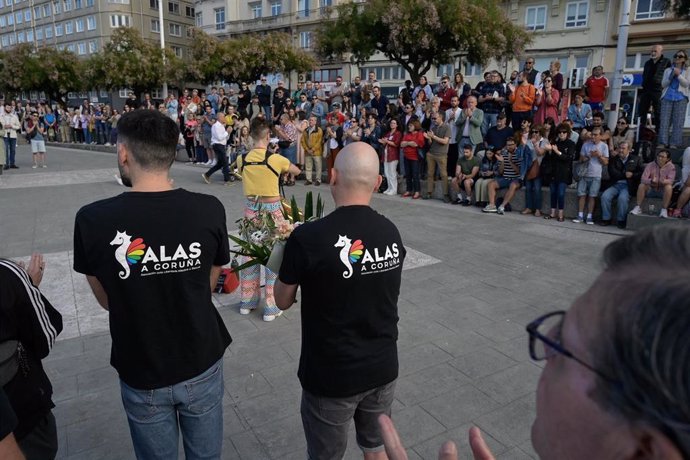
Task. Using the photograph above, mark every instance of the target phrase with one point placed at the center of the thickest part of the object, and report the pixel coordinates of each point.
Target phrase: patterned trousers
(250, 278)
(673, 116)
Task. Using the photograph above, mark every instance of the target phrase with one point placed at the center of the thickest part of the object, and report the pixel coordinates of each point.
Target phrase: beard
(126, 180)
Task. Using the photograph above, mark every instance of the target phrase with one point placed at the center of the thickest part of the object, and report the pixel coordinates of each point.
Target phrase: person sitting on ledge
(657, 182)
(615, 381)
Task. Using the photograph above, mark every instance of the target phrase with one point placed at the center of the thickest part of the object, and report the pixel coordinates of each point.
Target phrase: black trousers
(453, 153)
(42, 442)
(648, 100)
(221, 162)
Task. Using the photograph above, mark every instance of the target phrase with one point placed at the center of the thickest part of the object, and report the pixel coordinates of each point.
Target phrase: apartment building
(85, 26)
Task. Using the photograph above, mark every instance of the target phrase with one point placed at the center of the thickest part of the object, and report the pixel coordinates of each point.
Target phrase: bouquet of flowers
(262, 239)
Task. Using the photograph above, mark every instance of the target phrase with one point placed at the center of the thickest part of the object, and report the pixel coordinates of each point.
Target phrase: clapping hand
(396, 451)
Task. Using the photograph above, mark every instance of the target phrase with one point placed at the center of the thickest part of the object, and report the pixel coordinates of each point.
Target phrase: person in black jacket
(558, 169)
(263, 92)
(651, 83)
(29, 326)
(625, 171)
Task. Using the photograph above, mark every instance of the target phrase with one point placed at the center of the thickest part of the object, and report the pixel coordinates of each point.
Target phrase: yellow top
(259, 180)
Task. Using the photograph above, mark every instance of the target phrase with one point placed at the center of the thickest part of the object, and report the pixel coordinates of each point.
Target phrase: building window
(445, 69)
(325, 3)
(535, 18)
(576, 14)
(37, 12)
(13, 39)
(305, 40)
(199, 19)
(49, 32)
(123, 93)
(384, 72)
(220, 18)
(89, 3)
(69, 28)
(20, 37)
(18, 17)
(81, 49)
(39, 34)
(79, 25)
(326, 74)
(70, 47)
(77, 4)
(473, 70)
(59, 29)
(177, 50)
(174, 29)
(649, 9)
(103, 92)
(256, 9)
(58, 7)
(91, 23)
(634, 61)
(173, 8)
(5, 41)
(303, 8)
(155, 26)
(68, 5)
(189, 11)
(29, 35)
(8, 2)
(27, 15)
(3, 21)
(10, 19)
(124, 2)
(153, 4)
(276, 8)
(47, 10)
(119, 20)
(93, 46)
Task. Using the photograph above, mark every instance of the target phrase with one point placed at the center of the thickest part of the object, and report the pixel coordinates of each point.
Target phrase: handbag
(284, 144)
(533, 171)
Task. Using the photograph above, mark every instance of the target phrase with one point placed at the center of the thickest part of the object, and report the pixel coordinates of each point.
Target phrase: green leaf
(308, 206)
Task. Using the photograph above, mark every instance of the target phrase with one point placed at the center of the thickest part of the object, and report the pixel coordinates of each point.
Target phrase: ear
(122, 154)
(652, 444)
(379, 179)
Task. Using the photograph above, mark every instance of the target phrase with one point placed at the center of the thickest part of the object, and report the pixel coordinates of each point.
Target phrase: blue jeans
(87, 135)
(153, 417)
(489, 121)
(533, 194)
(10, 149)
(558, 195)
(412, 176)
(620, 190)
(290, 153)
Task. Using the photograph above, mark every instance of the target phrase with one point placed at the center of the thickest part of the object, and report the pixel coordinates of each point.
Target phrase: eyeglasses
(562, 132)
(545, 340)
(621, 123)
(547, 81)
(534, 132)
(680, 56)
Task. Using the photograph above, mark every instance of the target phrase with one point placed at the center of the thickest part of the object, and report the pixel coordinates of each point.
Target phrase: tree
(419, 33)
(45, 69)
(680, 8)
(128, 61)
(245, 58)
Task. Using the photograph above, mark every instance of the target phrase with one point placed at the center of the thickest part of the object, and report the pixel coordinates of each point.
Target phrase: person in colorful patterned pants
(261, 170)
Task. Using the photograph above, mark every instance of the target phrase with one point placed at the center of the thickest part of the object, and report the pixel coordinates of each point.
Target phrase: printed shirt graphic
(349, 267)
(153, 252)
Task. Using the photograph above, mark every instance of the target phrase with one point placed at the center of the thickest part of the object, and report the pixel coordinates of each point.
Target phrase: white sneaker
(245, 311)
(272, 317)
(214, 162)
(636, 211)
(34, 167)
(663, 213)
(44, 166)
(205, 178)
(578, 220)
(501, 210)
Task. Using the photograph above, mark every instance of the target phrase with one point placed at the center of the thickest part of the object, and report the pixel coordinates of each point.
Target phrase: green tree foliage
(128, 61)
(679, 8)
(45, 69)
(245, 58)
(419, 33)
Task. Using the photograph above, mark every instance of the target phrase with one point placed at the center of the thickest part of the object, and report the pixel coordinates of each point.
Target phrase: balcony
(277, 22)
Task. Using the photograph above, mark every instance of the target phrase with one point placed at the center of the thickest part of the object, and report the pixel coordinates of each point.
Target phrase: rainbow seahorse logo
(128, 252)
(350, 253)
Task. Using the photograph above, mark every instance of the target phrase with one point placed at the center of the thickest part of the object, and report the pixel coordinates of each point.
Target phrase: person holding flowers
(261, 169)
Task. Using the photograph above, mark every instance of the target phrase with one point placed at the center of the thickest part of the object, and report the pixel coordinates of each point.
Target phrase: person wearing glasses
(614, 383)
(625, 172)
(547, 102)
(531, 72)
(674, 100)
(622, 133)
(594, 156)
(263, 92)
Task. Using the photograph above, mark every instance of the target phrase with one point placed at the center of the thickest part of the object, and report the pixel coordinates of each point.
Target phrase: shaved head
(357, 172)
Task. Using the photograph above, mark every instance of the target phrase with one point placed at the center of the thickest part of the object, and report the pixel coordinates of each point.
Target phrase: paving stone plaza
(471, 283)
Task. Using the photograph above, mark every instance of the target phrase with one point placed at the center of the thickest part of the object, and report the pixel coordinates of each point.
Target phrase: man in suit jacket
(469, 124)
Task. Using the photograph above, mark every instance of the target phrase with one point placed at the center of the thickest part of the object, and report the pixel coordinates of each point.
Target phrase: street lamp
(162, 34)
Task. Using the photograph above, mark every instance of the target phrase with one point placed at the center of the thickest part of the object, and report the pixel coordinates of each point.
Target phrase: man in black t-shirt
(151, 257)
(348, 265)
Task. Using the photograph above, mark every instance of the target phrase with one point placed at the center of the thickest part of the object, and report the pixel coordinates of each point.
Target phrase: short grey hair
(641, 342)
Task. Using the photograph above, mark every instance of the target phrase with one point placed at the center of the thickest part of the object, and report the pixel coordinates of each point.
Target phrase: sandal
(406, 194)
(561, 219)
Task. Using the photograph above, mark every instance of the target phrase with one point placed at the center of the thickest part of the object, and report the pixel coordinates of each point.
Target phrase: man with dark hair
(151, 257)
(615, 381)
(263, 92)
(349, 359)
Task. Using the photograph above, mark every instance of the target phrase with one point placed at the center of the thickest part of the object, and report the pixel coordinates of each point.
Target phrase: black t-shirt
(348, 265)
(153, 253)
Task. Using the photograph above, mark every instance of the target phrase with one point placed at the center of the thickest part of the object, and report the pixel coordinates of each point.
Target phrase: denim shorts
(589, 186)
(38, 146)
(326, 421)
(504, 182)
